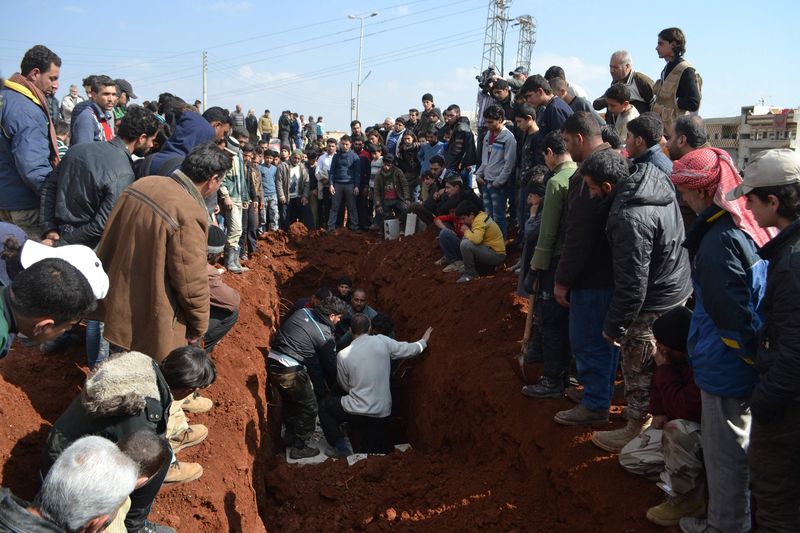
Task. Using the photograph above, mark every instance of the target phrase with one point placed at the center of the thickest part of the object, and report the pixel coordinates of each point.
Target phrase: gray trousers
(472, 254)
(672, 455)
(725, 425)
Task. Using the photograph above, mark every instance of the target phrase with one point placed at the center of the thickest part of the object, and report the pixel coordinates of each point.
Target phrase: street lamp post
(360, 53)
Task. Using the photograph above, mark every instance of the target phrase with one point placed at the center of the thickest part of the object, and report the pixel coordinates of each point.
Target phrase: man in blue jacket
(729, 280)
(344, 178)
(28, 150)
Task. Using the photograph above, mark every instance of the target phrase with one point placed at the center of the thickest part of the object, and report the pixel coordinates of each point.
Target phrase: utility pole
(494, 41)
(527, 38)
(360, 53)
(205, 91)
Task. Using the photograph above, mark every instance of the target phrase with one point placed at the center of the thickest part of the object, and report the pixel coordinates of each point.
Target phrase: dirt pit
(484, 457)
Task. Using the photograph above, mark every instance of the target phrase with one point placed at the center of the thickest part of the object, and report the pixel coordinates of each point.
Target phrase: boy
(618, 97)
(482, 243)
(427, 151)
(391, 192)
(670, 449)
(270, 203)
(772, 187)
(62, 137)
(497, 163)
(375, 166)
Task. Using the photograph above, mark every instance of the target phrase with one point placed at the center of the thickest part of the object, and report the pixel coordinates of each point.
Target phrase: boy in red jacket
(670, 450)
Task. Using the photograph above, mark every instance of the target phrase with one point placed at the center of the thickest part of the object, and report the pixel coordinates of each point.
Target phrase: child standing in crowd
(270, 208)
(427, 151)
(618, 97)
(391, 192)
(408, 162)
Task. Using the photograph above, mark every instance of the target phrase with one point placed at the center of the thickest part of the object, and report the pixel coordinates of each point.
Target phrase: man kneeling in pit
(363, 371)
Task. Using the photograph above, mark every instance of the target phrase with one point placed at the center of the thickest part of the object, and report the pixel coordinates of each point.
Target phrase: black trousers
(295, 210)
(299, 402)
(219, 324)
(247, 242)
(142, 501)
(372, 429)
(550, 340)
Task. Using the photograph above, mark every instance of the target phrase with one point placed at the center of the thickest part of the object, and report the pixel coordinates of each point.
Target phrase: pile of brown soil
(484, 457)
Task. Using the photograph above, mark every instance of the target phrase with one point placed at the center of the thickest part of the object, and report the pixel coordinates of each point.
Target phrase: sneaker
(455, 266)
(191, 436)
(544, 388)
(302, 453)
(197, 404)
(580, 415)
(180, 472)
(614, 440)
(150, 527)
(464, 278)
(673, 508)
(691, 524)
(439, 262)
(340, 450)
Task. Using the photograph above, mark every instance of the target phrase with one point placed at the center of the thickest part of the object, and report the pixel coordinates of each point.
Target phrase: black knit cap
(428, 97)
(672, 328)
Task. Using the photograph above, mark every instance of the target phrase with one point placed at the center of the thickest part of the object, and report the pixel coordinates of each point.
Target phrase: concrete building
(756, 129)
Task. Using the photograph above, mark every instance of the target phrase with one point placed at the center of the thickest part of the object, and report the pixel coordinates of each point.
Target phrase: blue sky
(302, 55)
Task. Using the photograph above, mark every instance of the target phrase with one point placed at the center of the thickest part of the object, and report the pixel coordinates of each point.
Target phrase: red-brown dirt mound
(484, 457)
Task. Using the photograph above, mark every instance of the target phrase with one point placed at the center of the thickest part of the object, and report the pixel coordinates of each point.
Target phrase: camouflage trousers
(672, 455)
(637, 349)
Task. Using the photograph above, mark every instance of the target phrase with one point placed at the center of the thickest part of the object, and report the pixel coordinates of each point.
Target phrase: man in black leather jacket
(651, 273)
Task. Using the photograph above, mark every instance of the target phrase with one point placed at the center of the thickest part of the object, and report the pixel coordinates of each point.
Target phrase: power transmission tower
(494, 41)
(527, 38)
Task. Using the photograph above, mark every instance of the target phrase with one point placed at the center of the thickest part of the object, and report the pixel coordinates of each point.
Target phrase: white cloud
(74, 9)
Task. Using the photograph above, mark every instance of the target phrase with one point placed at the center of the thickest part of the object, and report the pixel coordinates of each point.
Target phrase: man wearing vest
(96, 122)
(677, 91)
(28, 150)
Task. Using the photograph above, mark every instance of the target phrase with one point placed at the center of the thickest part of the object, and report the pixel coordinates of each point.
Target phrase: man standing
(651, 274)
(28, 148)
(344, 177)
(69, 102)
(293, 188)
(585, 273)
(639, 85)
(265, 126)
(553, 111)
(96, 122)
(643, 142)
(431, 115)
(284, 127)
(554, 318)
(364, 372)
(302, 361)
(79, 196)
(729, 281)
(772, 188)
(233, 192)
(461, 152)
(495, 175)
(124, 96)
(576, 103)
(167, 278)
(677, 91)
(237, 118)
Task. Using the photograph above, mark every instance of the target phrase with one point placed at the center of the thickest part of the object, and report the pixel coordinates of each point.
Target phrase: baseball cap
(519, 70)
(81, 257)
(124, 86)
(769, 168)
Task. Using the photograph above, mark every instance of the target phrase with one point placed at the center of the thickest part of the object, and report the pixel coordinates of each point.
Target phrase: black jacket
(113, 409)
(308, 337)
(645, 229)
(77, 199)
(586, 256)
(15, 517)
(778, 354)
(461, 151)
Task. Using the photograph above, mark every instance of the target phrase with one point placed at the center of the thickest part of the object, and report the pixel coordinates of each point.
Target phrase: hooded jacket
(645, 231)
(126, 393)
(78, 198)
(191, 130)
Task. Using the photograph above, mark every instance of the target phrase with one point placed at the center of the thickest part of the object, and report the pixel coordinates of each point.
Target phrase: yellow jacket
(484, 230)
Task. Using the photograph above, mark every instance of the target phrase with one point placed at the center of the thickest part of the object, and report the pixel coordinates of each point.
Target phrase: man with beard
(79, 196)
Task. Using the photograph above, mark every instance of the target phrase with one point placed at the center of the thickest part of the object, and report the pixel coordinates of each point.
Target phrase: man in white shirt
(363, 370)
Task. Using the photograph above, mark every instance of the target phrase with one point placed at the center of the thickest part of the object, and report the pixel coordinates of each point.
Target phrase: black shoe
(302, 453)
(545, 388)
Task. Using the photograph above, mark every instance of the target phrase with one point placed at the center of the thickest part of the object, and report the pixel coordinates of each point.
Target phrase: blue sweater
(345, 168)
(426, 151)
(24, 151)
(729, 281)
(268, 180)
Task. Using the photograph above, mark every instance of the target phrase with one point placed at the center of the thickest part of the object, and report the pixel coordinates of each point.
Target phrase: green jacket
(553, 228)
(234, 184)
(394, 179)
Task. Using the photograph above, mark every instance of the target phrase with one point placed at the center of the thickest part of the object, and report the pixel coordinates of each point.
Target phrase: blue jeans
(595, 359)
(96, 346)
(450, 243)
(494, 202)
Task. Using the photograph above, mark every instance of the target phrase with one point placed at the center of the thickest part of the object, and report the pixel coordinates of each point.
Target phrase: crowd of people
(644, 250)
